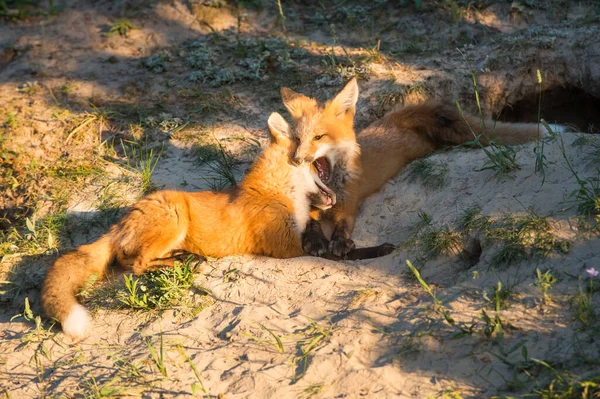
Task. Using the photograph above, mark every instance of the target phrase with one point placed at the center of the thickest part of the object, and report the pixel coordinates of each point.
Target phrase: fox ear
(296, 103)
(345, 101)
(278, 127)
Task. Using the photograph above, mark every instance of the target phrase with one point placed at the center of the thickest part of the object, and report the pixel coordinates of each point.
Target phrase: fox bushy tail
(67, 276)
(444, 124)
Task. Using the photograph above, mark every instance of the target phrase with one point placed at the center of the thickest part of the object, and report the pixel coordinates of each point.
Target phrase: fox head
(322, 134)
(316, 128)
(307, 187)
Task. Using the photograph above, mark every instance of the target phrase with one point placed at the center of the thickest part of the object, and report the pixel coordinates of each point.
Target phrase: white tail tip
(78, 323)
(556, 129)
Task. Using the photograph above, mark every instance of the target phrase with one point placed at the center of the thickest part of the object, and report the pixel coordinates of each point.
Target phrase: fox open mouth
(322, 165)
(328, 197)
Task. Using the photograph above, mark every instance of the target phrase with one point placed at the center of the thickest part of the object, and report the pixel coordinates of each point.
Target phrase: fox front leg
(341, 243)
(314, 241)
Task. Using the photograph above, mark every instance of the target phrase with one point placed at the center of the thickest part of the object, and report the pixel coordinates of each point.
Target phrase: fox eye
(297, 140)
(319, 137)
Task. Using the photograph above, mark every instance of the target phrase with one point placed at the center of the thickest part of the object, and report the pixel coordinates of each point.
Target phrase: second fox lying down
(355, 167)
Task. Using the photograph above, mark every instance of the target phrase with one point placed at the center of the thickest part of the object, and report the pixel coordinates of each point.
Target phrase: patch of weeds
(6, 155)
(586, 197)
(545, 281)
(142, 159)
(206, 152)
(473, 220)
(431, 241)
(582, 302)
(431, 174)
(567, 386)
(37, 337)
(165, 122)
(210, 103)
(163, 289)
(517, 367)
(110, 389)
(315, 337)
(502, 296)
(275, 342)
(253, 59)
(120, 27)
(362, 296)
(23, 9)
(340, 69)
(509, 254)
(158, 358)
(462, 328)
(388, 99)
(311, 390)
(591, 145)
(223, 167)
(97, 120)
(198, 386)
(157, 63)
(38, 236)
(520, 237)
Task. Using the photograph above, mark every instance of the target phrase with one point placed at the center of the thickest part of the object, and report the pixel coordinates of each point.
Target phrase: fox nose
(297, 161)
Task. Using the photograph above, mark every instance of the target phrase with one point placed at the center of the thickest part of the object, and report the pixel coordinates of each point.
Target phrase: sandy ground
(309, 327)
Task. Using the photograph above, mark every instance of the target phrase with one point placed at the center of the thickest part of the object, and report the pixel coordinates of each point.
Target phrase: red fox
(264, 215)
(355, 167)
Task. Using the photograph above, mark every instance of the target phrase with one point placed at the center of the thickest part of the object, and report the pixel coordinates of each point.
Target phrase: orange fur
(260, 216)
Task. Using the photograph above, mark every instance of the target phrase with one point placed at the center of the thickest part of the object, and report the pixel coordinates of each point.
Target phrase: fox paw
(340, 246)
(315, 244)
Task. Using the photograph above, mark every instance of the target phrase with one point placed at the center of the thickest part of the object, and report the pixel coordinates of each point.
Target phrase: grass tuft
(431, 174)
(164, 289)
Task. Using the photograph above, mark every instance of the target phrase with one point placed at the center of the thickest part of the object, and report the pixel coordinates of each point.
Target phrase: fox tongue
(323, 167)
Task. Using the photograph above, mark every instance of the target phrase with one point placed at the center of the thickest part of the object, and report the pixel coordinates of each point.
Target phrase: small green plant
(315, 336)
(567, 386)
(587, 196)
(311, 390)
(432, 174)
(544, 282)
(111, 389)
(163, 289)
(158, 358)
(472, 220)
(493, 325)
(431, 241)
(277, 343)
(37, 337)
(520, 237)
(461, 327)
(224, 168)
(143, 159)
(197, 387)
(582, 302)
(120, 27)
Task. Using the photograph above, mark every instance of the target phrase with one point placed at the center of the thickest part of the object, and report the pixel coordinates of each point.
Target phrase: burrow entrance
(567, 105)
